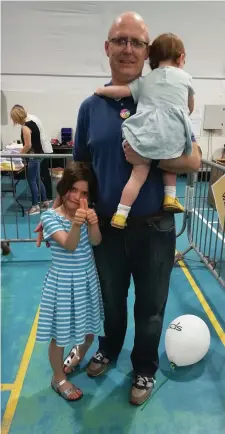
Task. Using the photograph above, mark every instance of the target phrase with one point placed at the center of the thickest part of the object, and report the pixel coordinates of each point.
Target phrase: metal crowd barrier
(205, 234)
(200, 220)
(17, 225)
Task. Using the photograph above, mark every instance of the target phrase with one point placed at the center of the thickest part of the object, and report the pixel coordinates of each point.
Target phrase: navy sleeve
(80, 149)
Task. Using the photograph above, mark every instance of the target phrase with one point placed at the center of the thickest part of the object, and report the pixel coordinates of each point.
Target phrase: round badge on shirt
(125, 113)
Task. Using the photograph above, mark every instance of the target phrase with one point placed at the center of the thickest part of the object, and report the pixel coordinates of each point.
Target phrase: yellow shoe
(118, 221)
(172, 205)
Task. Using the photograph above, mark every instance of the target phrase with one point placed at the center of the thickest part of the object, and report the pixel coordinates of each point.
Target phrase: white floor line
(205, 209)
(209, 225)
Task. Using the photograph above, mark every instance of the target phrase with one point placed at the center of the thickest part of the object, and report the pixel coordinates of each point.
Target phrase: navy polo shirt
(98, 139)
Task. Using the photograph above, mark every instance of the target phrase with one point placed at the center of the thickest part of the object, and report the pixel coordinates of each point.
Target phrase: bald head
(127, 19)
(127, 59)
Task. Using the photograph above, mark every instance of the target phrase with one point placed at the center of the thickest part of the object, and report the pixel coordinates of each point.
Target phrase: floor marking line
(21, 373)
(215, 323)
(209, 225)
(6, 386)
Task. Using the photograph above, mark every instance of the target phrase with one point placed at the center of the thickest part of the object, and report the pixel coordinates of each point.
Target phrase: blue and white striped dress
(71, 304)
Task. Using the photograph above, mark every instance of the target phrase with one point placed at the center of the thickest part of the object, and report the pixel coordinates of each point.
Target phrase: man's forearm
(184, 163)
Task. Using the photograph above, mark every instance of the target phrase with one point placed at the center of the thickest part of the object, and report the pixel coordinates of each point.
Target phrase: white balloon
(187, 340)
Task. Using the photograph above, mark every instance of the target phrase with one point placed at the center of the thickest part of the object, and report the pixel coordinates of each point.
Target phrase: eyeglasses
(135, 43)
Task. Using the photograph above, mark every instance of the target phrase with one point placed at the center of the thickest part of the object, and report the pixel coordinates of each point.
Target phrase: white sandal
(72, 360)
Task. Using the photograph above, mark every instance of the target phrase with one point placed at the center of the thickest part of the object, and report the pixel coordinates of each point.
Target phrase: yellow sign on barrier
(218, 189)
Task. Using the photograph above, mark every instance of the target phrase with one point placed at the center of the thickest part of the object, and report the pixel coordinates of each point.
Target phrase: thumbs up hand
(92, 217)
(81, 213)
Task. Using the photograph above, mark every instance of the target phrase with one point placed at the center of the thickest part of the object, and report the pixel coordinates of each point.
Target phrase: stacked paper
(7, 163)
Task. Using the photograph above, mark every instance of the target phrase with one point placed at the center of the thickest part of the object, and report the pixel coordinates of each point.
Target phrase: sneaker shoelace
(143, 382)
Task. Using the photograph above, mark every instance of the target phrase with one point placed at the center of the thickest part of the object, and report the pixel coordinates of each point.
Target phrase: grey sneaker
(44, 205)
(98, 364)
(34, 210)
(142, 388)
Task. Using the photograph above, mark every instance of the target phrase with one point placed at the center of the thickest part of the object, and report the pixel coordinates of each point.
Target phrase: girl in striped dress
(71, 304)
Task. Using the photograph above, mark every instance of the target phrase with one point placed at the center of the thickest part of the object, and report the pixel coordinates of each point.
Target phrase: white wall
(54, 58)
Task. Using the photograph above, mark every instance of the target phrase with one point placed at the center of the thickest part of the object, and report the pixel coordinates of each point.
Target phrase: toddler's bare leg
(132, 188)
(130, 193)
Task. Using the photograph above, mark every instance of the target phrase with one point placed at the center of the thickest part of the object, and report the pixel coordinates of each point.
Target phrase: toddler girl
(161, 128)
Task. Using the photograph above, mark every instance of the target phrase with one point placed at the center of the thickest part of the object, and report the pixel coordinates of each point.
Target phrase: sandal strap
(56, 385)
(66, 393)
(61, 383)
(74, 353)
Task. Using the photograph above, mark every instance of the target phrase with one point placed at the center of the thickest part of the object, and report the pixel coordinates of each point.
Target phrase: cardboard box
(218, 190)
(215, 175)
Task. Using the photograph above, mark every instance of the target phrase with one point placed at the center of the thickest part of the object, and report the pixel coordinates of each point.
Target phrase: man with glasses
(145, 248)
(123, 42)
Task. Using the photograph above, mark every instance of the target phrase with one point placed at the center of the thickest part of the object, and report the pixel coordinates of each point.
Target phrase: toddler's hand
(99, 91)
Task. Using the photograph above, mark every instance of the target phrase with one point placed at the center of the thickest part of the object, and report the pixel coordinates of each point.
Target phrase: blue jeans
(34, 181)
(146, 252)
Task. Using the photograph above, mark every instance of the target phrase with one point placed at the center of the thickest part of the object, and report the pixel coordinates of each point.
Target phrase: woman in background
(30, 136)
(47, 149)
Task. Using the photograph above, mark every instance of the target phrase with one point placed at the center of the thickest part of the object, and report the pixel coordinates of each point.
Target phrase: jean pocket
(167, 224)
